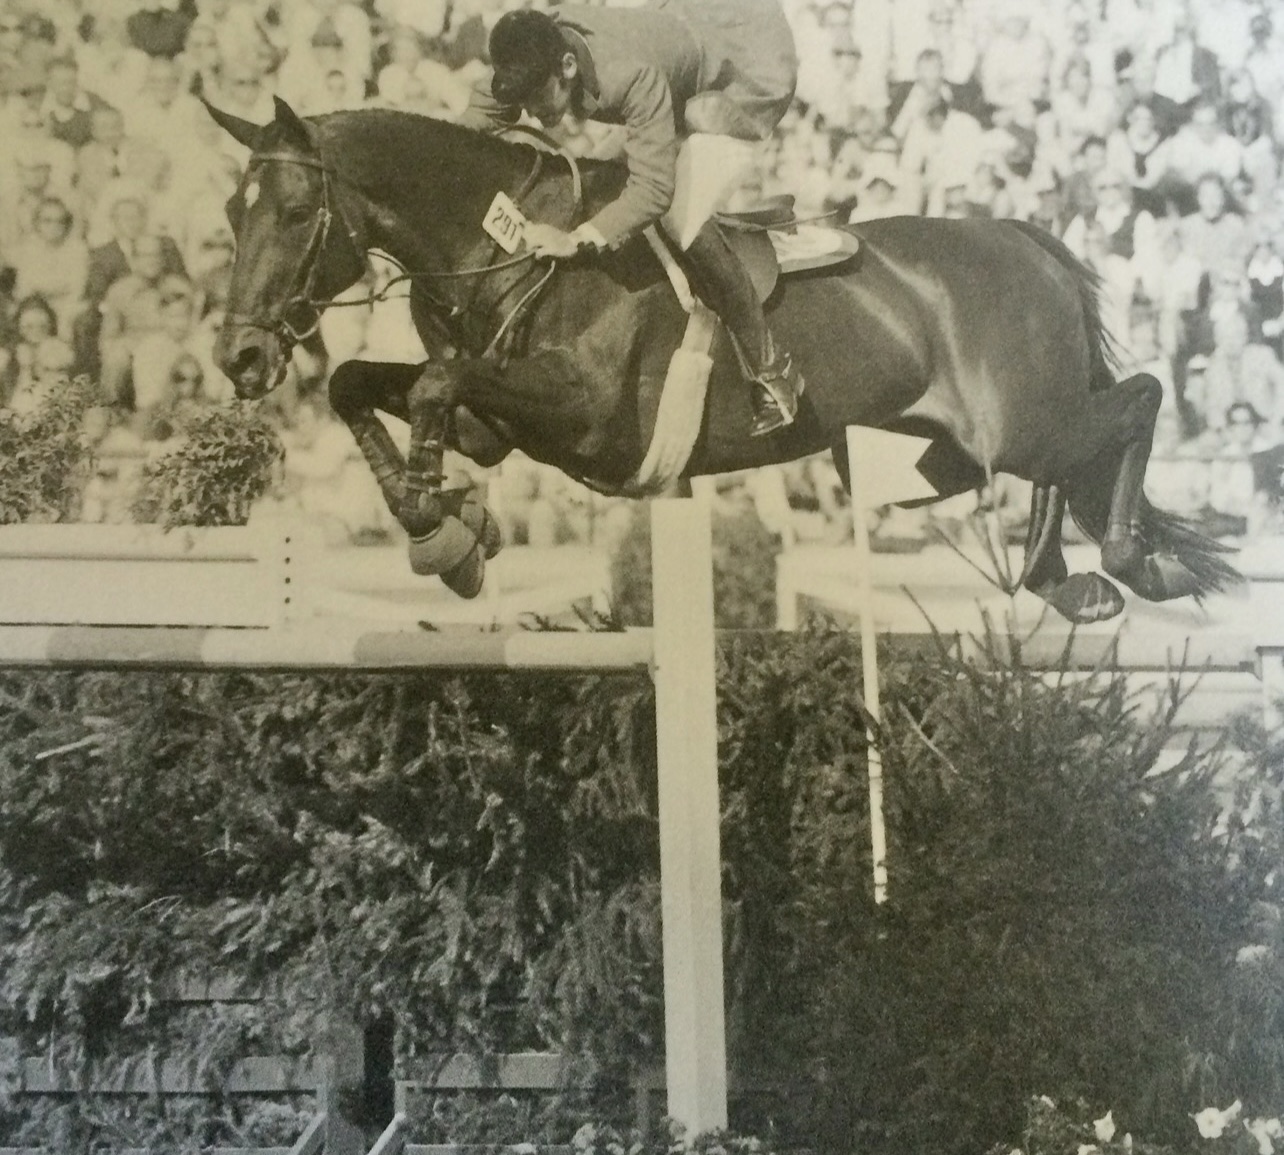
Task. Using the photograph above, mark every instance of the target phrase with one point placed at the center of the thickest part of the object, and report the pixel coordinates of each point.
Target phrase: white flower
(1212, 1122)
(1128, 1141)
(1252, 954)
(1104, 1128)
(1260, 1130)
(1088, 1149)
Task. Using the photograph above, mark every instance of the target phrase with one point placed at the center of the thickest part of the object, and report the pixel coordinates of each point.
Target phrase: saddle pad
(812, 247)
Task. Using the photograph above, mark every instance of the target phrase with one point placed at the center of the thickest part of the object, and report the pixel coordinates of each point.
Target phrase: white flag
(884, 467)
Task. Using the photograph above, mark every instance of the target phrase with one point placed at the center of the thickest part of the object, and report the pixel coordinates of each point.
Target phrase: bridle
(283, 326)
(289, 333)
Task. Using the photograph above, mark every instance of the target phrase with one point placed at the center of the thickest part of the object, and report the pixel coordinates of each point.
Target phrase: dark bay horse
(983, 336)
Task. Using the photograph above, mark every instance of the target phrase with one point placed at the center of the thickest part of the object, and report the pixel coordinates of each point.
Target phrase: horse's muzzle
(252, 359)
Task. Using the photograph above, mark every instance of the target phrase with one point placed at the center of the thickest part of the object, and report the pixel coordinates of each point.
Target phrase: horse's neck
(425, 187)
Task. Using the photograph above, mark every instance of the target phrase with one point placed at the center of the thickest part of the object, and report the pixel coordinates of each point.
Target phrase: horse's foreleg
(357, 388)
(431, 399)
(451, 534)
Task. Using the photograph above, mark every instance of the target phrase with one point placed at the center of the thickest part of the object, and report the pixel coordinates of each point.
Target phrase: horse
(983, 336)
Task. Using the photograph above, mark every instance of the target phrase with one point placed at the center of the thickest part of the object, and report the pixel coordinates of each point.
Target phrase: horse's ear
(294, 127)
(243, 131)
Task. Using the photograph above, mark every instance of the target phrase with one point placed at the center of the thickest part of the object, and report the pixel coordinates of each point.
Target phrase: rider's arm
(645, 106)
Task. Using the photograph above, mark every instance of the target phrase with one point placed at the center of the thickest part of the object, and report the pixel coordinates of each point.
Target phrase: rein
(289, 333)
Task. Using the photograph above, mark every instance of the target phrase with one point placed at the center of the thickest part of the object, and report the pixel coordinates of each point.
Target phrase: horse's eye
(297, 215)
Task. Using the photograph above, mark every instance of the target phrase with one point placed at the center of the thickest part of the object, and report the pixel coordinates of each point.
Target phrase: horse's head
(294, 251)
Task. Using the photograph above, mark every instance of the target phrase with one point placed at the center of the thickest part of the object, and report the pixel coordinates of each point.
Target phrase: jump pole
(690, 844)
(881, 470)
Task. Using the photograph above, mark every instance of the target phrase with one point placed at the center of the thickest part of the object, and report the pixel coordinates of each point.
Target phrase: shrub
(226, 459)
(45, 457)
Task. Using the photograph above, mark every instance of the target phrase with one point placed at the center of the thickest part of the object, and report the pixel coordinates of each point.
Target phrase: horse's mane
(361, 135)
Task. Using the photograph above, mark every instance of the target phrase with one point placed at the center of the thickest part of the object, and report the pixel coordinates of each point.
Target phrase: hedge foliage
(478, 857)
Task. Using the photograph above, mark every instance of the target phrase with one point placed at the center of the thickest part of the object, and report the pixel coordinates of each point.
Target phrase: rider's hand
(548, 241)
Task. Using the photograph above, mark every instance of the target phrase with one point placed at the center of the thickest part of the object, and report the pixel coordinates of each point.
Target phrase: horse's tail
(1163, 532)
(1101, 342)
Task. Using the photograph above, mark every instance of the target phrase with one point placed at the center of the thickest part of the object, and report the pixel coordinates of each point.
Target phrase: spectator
(1265, 60)
(24, 110)
(107, 157)
(883, 191)
(1177, 477)
(1236, 503)
(1172, 279)
(952, 39)
(1249, 120)
(53, 263)
(68, 109)
(1129, 230)
(1266, 291)
(1139, 151)
(109, 64)
(113, 260)
(1014, 65)
(33, 165)
(333, 18)
(428, 18)
(1201, 147)
(1080, 109)
(131, 309)
(928, 90)
(940, 151)
(1215, 235)
(156, 354)
(201, 62)
(34, 324)
(1238, 371)
(445, 93)
(1225, 29)
(1186, 72)
(166, 117)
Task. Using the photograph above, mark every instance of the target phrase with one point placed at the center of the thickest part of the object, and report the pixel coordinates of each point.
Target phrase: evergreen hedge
(477, 856)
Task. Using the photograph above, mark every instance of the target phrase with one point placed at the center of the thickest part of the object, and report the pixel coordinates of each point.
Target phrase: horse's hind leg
(1109, 502)
(1081, 597)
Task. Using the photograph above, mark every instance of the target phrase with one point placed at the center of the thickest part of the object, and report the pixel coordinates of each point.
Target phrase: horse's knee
(1147, 397)
(347, 386)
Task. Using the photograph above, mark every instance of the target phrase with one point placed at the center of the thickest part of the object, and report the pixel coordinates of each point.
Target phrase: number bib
(504, 222)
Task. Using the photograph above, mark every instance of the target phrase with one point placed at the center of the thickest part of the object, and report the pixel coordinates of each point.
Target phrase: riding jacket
(670, 67)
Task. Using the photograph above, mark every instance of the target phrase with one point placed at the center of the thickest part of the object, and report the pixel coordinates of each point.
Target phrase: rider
(670, 67)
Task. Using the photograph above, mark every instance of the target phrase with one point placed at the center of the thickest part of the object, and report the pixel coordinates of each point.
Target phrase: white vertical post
(859, 465)
(690, 843)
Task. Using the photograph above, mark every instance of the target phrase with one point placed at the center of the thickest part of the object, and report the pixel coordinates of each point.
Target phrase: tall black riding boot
(724, 284)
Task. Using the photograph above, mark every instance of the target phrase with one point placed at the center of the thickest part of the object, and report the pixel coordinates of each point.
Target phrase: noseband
(284, 326)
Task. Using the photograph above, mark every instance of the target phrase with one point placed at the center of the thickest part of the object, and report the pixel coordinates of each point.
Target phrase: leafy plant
(225, 460)
(45, 457)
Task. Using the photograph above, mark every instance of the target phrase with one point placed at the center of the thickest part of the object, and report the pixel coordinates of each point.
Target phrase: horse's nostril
(248, 360)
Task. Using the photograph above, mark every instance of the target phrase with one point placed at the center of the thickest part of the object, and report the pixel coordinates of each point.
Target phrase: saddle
(772, 242)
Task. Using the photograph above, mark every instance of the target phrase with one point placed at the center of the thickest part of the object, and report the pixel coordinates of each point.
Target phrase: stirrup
(776, 392)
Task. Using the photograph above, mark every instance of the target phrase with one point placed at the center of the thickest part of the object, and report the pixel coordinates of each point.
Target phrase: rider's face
(553, 100)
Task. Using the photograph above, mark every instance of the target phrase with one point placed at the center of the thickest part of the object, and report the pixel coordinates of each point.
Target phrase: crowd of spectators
(1145, 133)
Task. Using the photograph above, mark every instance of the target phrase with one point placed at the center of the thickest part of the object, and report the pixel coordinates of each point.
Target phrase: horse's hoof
(443, 549)
(1163, 578)
(466, 578)
(1083, 598)
(477, 517)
